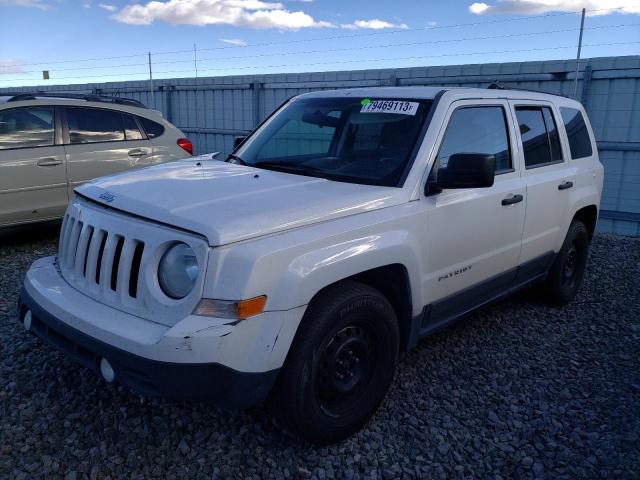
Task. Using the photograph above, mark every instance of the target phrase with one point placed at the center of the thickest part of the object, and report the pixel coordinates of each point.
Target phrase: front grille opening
(100, 254)
(116, 263)
(135, 269)
(86, 253)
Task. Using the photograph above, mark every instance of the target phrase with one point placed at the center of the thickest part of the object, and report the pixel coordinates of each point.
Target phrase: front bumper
(190, 361)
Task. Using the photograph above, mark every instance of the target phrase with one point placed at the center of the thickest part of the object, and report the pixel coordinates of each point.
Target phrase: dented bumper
(199, 358)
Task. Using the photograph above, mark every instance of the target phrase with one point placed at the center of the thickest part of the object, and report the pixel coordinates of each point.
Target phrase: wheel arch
(589, 216)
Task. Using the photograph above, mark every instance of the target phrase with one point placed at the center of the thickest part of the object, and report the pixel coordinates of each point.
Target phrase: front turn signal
(239, 310)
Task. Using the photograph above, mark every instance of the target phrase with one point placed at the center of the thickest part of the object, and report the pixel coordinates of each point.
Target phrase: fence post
(256, 87)
(586, 82)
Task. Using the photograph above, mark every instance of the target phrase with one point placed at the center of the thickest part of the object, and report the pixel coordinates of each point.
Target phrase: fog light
(26, 320)
(107, 370)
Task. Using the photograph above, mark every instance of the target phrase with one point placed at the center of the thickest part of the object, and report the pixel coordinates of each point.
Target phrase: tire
(566, 273)
(340, 365)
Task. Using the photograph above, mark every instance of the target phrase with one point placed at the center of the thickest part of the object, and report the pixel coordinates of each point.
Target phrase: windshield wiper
(238, 160)
(285, 166)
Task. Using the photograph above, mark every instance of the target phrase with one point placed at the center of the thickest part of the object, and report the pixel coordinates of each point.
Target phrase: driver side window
(477, 130)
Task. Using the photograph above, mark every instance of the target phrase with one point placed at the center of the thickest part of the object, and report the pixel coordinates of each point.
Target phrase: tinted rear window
(539, 136)
(153, 129)
(91, 125)
(579, 140)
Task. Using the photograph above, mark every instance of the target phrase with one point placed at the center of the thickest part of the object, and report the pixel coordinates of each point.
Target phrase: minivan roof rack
(89, 97)
(500, 86)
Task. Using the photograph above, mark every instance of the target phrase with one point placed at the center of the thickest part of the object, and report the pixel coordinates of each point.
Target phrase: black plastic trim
(448, 310)
(209, 382)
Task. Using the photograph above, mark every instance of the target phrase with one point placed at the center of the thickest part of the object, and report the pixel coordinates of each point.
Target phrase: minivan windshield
(368, 141)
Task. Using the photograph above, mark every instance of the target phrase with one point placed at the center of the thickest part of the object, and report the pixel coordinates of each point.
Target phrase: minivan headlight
(178, 271)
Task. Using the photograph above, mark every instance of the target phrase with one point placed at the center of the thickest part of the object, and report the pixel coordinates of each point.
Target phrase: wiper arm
(293, 167)
(238, 160)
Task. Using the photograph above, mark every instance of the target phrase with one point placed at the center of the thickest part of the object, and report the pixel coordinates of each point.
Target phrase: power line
(367, 47)
(335, 37)
(336, 62)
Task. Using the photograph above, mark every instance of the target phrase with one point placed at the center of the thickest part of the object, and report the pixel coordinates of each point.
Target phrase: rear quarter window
(579, 140)
(153, 129)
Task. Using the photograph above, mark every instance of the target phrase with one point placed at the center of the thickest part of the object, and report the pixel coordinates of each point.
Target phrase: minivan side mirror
(467, 170)
(237, 141)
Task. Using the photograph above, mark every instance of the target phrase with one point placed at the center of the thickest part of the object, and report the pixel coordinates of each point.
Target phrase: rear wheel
(567, 271)
(340, 365)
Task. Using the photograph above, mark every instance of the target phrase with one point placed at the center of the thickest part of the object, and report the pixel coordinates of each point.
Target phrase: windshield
(356, 140)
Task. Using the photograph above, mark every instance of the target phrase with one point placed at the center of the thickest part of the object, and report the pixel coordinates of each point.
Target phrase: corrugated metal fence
(213, 110)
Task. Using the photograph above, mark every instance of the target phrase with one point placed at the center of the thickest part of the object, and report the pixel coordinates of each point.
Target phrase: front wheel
(340, 365)
(567, 271)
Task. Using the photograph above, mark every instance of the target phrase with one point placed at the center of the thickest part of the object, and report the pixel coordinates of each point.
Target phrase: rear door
(33, 177)
(100, 141)
(548, 178)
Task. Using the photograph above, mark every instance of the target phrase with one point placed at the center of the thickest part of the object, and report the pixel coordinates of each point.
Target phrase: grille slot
(135, 269)
(116, 263)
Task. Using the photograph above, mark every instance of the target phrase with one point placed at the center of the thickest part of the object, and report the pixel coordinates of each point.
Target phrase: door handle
(49, 162)
(512, 200)
(565, 185)
(137, 152)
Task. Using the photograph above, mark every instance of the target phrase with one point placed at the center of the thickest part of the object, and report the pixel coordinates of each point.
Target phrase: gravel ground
(516, 390)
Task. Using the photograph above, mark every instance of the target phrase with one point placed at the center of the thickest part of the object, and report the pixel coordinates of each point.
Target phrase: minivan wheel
(340, 364)
(567, 271)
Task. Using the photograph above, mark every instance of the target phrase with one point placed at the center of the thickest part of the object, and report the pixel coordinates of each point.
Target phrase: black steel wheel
(567, 271)
(340, 365)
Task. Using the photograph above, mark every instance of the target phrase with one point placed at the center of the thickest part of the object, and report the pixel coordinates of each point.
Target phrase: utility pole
(575, 82)
(153, 94)
(195, 59)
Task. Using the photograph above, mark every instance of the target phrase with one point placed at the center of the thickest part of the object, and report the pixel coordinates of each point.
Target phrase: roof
(87, 97)
(419, 92)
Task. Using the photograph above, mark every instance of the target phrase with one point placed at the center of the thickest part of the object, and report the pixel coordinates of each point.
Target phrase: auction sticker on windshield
(389, 106)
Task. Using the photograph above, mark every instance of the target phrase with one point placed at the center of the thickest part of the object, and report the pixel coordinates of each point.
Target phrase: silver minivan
(51, 143)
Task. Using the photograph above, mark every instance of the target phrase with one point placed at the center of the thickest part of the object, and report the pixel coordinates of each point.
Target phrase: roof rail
(89, 97)
(500, 86)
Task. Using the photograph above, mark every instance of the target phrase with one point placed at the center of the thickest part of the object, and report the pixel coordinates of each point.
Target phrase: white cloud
(240, 13)
(234, 41)
(533, 7)
(432, 24)
(107, 7)
(26, 3)
(10, 66)
(374, 24)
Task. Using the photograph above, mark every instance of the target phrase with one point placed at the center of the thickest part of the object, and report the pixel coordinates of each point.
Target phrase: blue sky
(255, 36)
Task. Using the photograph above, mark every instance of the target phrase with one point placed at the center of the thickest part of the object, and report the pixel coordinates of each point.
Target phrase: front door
(473, 235)
(33, 175)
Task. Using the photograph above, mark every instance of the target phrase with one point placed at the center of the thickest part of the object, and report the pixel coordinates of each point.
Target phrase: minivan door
(473, 236)
(100, 141)
(33, 177)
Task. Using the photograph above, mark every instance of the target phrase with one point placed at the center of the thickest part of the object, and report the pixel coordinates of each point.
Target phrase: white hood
(229, 203)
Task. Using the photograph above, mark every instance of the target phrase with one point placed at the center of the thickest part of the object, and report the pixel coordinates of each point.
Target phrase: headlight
(178, 271)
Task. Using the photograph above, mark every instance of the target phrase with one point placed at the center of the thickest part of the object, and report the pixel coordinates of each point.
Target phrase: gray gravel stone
(516, 390)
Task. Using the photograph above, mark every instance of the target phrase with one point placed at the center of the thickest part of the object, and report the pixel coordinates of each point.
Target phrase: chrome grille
(113, 258)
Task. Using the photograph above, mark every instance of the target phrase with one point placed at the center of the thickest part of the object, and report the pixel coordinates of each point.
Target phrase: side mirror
(237, 141)
(467, 170)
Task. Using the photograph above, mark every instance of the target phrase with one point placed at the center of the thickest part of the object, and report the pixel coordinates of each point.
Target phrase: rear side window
(153, 129)
(579, 140)
(477, 130)
(91, 125)
(131, 130)
(26, 127)
(539, 134)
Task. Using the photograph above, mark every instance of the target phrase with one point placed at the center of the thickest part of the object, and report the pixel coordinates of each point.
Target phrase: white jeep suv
(345, 228)
(52, 143)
